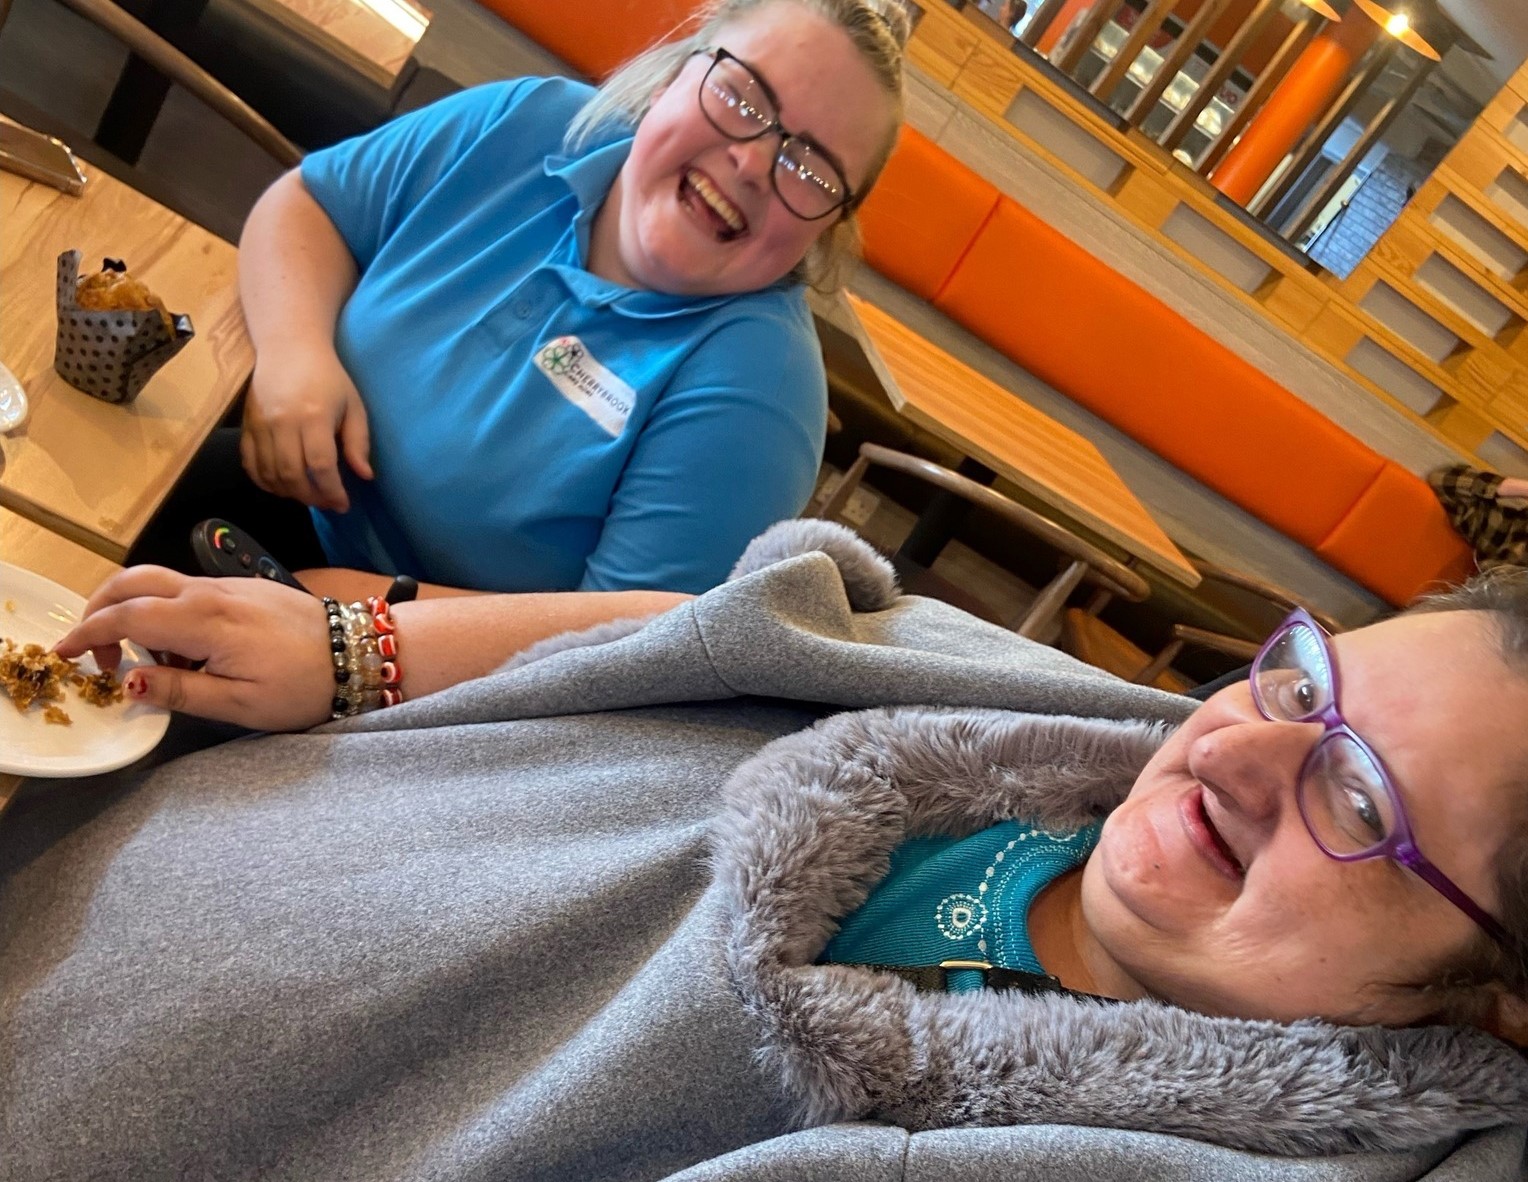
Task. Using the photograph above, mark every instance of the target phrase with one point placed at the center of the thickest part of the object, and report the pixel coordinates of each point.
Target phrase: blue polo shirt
(533, 426)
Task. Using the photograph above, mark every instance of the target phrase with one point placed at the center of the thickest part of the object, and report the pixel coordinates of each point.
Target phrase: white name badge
(587, 384)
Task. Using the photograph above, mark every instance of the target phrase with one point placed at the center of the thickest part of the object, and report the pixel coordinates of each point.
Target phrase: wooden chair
(1084, 561)
(175, 65)
(1089, 639)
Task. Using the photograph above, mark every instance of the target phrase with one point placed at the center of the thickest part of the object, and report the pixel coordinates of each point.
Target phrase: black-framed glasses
(737, 102)
(1347, 798)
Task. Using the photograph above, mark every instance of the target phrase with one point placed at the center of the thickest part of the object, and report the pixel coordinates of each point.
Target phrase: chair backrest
(1087, 562)
(175, 65)
(1090, 639)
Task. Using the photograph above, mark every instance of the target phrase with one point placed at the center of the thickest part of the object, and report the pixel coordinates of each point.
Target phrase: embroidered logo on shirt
(586, 383)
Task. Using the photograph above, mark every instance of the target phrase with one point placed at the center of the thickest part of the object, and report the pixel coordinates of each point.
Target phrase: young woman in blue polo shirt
(538, 337)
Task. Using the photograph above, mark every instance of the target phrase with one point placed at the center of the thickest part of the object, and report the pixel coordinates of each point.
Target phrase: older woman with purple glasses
(584, 903)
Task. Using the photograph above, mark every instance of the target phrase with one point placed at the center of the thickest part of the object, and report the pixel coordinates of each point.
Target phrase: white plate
(35, 610)
(13, 402)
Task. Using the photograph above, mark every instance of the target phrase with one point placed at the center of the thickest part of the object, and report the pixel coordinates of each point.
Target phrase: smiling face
(1207, 889)
(694, 213)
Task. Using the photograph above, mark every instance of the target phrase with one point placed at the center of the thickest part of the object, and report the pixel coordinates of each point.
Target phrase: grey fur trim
(869, 580)
(806, 831)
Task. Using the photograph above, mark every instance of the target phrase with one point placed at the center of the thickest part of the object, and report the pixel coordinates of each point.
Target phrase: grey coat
(492, 934)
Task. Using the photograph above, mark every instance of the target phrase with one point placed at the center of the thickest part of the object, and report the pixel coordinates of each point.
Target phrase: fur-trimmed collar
(806, 832)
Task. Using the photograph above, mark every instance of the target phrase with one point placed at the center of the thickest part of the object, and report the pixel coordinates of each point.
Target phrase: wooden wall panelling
(1381, 265)
(990, 80)
(1482, 377)
(1293, 301)
(1480, 158)
(1460, 217)
(1339, 335)
(1465, 426)
(1338, 331)
(1146, 197)
(1489, 210)
(1414, 237)
(940, 47)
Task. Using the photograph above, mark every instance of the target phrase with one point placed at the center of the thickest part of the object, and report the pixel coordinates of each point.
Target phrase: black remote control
(223, 549)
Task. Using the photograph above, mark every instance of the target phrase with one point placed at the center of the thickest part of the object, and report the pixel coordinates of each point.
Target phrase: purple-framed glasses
(1347, 798)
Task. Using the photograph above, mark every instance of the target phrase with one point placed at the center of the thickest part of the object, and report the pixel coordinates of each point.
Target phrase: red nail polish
(136, 684)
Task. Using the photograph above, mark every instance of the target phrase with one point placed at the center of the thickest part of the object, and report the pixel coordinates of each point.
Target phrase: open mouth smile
(725, 219)
(1206, 838)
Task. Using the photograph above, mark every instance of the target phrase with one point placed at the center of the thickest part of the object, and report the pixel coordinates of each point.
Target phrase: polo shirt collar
(589, 178)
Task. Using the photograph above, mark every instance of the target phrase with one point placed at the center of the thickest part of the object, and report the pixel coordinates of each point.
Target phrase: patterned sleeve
(1468, 496)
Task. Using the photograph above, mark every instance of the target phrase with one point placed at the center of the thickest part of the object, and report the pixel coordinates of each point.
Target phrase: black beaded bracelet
(342, 705)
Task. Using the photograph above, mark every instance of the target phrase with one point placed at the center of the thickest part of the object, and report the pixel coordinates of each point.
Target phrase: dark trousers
(1210, 688)
(215, 485)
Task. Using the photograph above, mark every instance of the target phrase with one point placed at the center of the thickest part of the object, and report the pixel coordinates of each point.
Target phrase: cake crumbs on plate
(30, 673)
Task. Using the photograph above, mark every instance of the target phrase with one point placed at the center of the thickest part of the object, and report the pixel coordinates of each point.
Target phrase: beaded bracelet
(344, 703)
(363, 645)
(386, 635)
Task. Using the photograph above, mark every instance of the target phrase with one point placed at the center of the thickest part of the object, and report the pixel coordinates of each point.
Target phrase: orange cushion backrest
(923, 214)
(1082, 327)
(594, 38)
(1397, 540)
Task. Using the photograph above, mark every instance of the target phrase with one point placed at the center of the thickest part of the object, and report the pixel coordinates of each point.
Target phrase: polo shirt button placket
(522, 309)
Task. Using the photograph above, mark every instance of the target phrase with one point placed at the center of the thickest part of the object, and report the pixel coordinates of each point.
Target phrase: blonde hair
(879, 30)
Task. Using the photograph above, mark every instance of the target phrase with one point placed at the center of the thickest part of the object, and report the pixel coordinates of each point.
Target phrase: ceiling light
(1395, 20)
(1322, 8)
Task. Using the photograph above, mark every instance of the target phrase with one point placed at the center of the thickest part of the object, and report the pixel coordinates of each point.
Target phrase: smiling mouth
(725, 219)
(1206, 838)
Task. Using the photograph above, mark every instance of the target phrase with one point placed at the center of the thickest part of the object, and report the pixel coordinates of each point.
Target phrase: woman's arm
(295, 274)
(266, 646)
(347, 585)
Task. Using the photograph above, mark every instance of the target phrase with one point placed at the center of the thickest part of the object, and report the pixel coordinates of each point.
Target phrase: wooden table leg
(941, 517)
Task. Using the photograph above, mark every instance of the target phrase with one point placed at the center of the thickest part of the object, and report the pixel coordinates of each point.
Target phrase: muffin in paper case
(111, 354)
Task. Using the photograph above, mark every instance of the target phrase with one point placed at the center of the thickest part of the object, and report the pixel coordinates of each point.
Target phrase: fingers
(252, 455)
(152, 621)
(136, 581)
(355, 438)
(132, 583)
(319, 480)
(186, 692)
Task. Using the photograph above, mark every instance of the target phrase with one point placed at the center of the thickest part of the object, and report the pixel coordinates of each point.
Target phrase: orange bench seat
(937, 228)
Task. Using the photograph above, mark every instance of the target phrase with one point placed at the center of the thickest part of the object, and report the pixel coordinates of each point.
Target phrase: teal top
(961, 898)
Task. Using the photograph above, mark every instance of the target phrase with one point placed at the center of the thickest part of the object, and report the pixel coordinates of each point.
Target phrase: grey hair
(879, 30)
(1501, 593)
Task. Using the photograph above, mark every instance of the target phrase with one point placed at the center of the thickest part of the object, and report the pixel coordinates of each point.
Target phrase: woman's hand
(1512, 488)
(265, 646)
(301, 401)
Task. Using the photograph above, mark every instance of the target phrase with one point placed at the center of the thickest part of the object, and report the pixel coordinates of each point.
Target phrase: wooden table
(27, 544)
(1002, 432)
(86, 469)
(374, 37)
